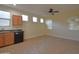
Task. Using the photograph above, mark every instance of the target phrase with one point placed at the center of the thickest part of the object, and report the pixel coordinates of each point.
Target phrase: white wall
(33, 29)
(61, 27)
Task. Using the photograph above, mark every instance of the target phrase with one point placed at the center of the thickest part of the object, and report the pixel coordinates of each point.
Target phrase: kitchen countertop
(2, 31)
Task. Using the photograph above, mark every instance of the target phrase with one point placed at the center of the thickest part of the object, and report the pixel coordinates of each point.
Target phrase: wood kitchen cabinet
(6, 38)
(17, 20)
(1, 40)
(9, 38)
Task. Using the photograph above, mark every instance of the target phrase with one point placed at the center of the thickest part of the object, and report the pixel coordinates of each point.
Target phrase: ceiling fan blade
(50, 10)
(56, 11)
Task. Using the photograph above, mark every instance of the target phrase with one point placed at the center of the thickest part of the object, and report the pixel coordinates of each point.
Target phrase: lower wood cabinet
(1, 40)
(9, 38)
(6, 38)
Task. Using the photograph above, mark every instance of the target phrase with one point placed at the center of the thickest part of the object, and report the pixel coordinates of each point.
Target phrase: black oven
(18, 36)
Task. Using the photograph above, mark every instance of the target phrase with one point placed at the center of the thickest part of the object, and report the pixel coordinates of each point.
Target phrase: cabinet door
(1, 40)
(9, 38)
(17, 20)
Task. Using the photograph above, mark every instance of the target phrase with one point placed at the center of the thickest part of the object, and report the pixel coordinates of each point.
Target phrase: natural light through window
(24, 17)
(41, 20)
(34, 19)
(74, 23)
(49, 24)
(4, 14)
(4, 18)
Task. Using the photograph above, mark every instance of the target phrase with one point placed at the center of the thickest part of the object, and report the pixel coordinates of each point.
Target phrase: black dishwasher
(18, 36)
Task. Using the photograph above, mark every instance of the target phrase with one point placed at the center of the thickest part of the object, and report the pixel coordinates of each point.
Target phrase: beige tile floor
(43, 45)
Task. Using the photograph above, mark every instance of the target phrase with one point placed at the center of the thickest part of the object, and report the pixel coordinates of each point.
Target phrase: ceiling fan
(52, 11)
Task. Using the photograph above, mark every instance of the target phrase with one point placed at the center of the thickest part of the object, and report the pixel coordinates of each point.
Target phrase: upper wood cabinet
(17, 20)
(9, 38)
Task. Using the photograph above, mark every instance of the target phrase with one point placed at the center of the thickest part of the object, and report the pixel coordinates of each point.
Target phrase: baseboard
(34, 36)
(64, 37)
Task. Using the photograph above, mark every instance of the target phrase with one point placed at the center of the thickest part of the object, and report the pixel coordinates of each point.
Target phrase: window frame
(34, 21)
(27, 18)
(6, 19)
(41, 20)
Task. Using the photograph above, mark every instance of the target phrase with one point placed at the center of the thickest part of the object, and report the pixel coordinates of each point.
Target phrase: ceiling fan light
(52, 13)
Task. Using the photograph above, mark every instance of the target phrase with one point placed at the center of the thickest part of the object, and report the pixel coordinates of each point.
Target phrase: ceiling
(42, 9)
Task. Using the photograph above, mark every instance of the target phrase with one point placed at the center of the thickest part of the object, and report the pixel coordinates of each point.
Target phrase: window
(49, 24)
(41, 20)
(74, 23)
(4, 18)
(24, 17)
(34, 19)
(4, 15)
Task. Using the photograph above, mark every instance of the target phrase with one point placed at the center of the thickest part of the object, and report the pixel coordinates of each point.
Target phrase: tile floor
(43, 45)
